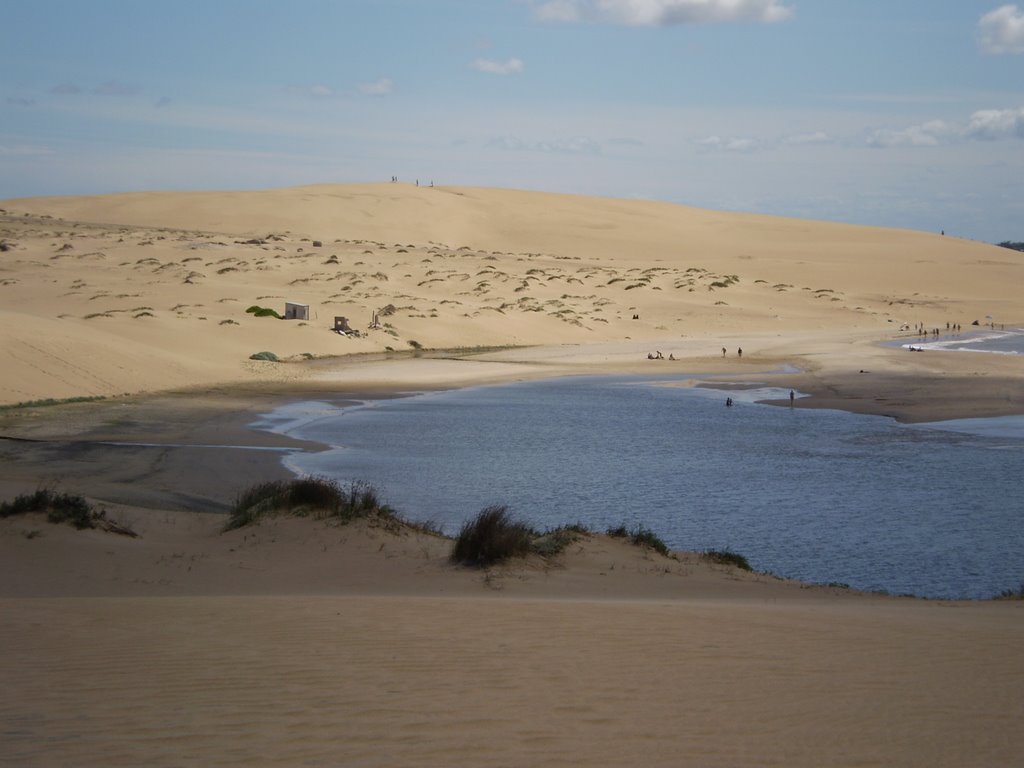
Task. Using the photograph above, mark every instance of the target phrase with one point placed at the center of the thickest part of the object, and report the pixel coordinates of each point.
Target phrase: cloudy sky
(904, 113)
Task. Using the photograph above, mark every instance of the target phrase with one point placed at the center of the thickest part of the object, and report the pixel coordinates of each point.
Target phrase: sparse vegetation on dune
(491, 537)
(308, 497)
(728, 557)
(641, 537)
(1011, 594)
(63, 508)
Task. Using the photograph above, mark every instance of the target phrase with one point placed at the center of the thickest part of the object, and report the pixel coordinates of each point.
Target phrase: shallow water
(1005, 341)
(823, 496)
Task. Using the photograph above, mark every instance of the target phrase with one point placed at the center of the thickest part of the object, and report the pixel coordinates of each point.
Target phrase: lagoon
(822, 496)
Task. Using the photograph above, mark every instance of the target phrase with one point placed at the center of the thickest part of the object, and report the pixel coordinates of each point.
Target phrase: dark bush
(726, 557)
(306, 496)
(641, 537)
(490, 537)
(59, 508)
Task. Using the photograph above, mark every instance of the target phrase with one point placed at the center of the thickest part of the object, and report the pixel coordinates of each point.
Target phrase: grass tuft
(257, 311)
(491, 537)
(268, 356)
(307, 497)
(641, 537)
(727, 557)
(1011, 594)
(63, 508)
(59, 507)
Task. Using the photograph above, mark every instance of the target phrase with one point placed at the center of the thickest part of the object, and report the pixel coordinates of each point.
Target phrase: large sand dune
(141, 292)
(297, 642)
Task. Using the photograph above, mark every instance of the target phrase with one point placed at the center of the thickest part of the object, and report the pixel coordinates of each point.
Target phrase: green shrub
(726, 557)
(269, 356)
(1012, 594)
(257, 311)
(59, 508)
(557, 540)
(305, 497)
(641, 537)
(491, 537)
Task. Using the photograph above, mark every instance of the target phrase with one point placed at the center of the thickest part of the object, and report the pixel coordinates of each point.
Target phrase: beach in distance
(141, 342)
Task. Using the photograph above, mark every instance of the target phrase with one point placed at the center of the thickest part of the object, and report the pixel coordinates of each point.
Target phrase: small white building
(293, 311)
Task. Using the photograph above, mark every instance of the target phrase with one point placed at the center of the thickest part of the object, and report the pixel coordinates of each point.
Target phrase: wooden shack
(293, 311)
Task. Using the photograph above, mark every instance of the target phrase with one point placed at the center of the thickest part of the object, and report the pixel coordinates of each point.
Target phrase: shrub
(306, 496)
(269, 356)
(641, 537)
(257, 311)
(59, 508)
(557, 540)
(415, 344)
(490, 537)
(726, 557)
(1012, 594)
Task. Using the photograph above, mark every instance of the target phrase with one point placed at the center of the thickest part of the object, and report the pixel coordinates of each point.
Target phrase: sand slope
(303, 643)
(141, 292)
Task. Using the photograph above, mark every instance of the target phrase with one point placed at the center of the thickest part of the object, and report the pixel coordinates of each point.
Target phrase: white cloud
(734, 144)
(316, 91)
(656, 13)
(991, 124)
(1002, 31)
(984, 125)
(928, 134)
(381, 87)
(803, 139)
(577, 145)
(508, 67)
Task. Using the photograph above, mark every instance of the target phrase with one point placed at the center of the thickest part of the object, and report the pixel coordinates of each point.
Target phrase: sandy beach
(303, 642)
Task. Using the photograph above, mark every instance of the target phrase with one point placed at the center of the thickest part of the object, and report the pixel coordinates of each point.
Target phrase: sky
(904, 113)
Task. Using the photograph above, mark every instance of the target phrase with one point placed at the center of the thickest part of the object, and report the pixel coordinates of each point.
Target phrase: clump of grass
(727, 557)
(63, 508)
(59, 507)
(641, 537)
(557, 540)
(258, 311)
(1011, 594)
(491, 537)
(269, 356)
(307, 497)
(415, 344)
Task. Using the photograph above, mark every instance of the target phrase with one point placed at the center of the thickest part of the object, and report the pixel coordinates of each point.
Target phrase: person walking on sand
(792, 397)
(739, 352)
(723, 351)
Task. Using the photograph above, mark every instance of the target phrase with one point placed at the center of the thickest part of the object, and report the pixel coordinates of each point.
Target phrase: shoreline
(162, 450)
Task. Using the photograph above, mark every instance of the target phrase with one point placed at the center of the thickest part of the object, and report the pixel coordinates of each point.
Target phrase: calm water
(823, 496)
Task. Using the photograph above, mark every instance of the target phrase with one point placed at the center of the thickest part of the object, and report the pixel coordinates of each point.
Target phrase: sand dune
(142, 292)
(297, 642)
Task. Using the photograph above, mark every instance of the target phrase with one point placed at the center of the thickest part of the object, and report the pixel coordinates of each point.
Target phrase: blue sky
(905, 113)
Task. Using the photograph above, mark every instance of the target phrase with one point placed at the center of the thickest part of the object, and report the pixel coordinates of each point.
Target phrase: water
(823, 496)
(999, 342)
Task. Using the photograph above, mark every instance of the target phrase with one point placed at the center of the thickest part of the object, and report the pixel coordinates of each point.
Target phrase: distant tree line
(1014, 246)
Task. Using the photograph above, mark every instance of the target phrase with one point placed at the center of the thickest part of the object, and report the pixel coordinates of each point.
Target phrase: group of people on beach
(658, 356)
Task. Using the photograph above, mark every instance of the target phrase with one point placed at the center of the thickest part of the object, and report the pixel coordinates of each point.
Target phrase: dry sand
(299, 642)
